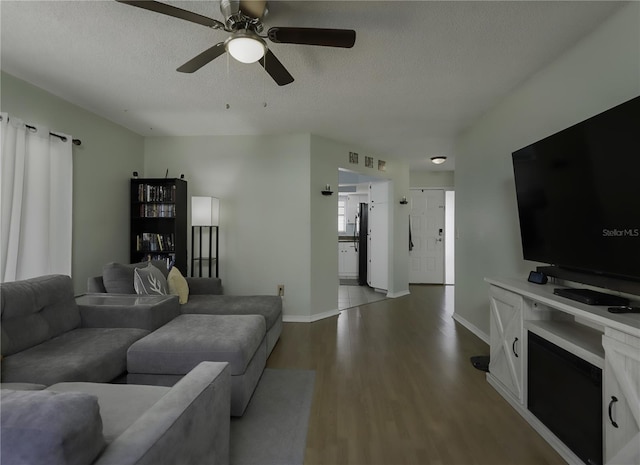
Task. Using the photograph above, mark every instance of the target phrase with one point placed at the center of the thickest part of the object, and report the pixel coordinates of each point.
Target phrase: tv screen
(578, 194)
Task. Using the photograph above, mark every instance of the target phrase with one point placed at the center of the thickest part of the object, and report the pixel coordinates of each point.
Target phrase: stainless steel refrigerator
(361, 240)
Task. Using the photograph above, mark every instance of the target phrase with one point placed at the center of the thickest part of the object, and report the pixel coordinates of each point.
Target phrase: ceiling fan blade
(176, 12)
(204, 58)
(313, 36)
(276, 69)
(253, 8)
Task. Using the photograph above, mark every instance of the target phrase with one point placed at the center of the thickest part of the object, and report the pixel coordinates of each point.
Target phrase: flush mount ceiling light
(439, 160)
(245, 46)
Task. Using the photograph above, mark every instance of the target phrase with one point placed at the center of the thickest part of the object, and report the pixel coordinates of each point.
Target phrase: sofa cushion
(49, 428)
(181, 344)
(178, 285)
(22, 386)
(120, 404)
(35, 310)
(149, 281)
(117, 278)
(269, 306)
(84, 354)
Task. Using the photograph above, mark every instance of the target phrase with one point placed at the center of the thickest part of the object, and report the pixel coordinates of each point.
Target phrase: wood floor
(394, 385)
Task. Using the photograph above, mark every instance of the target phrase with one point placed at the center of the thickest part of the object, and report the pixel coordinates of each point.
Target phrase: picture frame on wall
(368, 162)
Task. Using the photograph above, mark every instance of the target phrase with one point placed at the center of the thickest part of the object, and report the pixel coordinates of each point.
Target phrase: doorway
(362, 239)
(431, 256)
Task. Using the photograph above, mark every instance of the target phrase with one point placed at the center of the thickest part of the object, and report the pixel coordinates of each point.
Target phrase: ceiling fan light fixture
(246, 47)
(438, 160)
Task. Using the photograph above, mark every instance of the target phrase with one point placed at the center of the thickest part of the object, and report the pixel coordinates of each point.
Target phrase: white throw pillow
(149, 281)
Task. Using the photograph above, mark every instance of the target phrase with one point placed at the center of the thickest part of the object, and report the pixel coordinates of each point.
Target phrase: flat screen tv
(578, 194)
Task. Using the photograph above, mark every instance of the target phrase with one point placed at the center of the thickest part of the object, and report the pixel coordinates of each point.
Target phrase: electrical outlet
(281, 290)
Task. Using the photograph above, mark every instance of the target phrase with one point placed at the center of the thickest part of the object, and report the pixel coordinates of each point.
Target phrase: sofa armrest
(205, 286)
(127, 311)
(189, 424)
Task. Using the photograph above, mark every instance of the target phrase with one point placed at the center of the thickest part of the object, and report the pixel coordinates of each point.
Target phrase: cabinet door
(379, 192)
(378, 246)
(350, 260)
(621, 398)
(341, 259)
(506, 352)
(353, 206)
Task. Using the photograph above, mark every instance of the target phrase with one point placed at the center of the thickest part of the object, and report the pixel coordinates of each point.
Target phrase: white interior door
(426, 259)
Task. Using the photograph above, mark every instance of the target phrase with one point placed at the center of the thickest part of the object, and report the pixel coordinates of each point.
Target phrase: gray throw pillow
(50, 428)
(118, 278)
(149, 281)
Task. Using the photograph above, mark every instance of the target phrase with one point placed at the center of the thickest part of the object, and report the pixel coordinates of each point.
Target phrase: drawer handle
(513, 347)
(614, 399)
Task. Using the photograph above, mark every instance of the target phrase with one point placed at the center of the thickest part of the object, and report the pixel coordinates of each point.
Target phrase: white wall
(327, 156)
(275, 225)
(102, 167)
(601, 71)
(423, 178)
(262, 183)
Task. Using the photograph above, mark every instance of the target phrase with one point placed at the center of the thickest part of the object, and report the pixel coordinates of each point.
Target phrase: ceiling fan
(243, 20)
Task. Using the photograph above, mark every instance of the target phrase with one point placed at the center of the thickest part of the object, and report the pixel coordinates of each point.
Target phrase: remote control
(624, 309)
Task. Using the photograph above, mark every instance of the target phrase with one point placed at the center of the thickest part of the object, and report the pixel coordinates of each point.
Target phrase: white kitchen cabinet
(378, 248)
(353, 205)
(379, 192)
(378, 245)
(347, 260)
(506, 349)
(621, 398)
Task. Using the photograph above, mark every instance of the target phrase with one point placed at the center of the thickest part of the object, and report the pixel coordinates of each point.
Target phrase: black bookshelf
(159, 221)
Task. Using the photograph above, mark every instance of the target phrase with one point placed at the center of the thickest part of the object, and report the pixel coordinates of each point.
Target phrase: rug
(273, 429)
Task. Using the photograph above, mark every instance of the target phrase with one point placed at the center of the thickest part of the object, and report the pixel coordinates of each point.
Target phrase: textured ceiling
(419, 73)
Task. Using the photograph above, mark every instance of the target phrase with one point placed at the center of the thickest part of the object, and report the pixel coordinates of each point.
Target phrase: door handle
(614, 399)
(513, 347)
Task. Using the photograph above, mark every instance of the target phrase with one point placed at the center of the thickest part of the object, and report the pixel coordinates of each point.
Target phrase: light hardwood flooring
(394, 385)
(352, 296)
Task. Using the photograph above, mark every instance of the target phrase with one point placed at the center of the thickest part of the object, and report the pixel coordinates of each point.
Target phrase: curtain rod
(62, 138)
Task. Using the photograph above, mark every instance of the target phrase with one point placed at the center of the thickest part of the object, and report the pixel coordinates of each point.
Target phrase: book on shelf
(154, 242)
(157, 210)
(156, 193)
(168, 260)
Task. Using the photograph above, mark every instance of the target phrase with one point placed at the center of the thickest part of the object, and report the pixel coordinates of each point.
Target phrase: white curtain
(35, 200)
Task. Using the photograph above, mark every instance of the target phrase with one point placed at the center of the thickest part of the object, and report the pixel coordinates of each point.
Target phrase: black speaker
(537, 277)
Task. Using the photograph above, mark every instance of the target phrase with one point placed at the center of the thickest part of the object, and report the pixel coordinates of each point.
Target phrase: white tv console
(609, 341)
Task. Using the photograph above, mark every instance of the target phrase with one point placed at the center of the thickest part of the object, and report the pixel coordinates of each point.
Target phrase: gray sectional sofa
(59, 407)
(62, 356)
(115, 424)
(205, 297)
(44, 341)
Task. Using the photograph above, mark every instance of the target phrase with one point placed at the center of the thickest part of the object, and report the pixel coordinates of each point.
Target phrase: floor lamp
(205, 213)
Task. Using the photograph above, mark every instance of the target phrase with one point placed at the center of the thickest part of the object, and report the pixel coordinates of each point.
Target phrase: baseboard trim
(395, 295)
(309, 318)
(471, 327)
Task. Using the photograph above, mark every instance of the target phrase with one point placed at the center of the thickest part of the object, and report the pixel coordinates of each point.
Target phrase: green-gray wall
(601, 71)
(275, 225)
(431, 179)
(102, 167)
